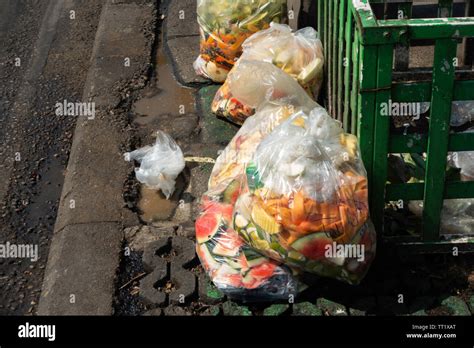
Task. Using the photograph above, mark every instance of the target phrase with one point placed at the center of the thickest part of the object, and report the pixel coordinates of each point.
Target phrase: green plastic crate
(367, 64)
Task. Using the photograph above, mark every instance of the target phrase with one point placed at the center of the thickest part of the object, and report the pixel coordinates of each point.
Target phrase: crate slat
(441, 99)
(366, 103)
(355, 83)
(340, 62)
(347, 68)
(335, 57)
(381, 133)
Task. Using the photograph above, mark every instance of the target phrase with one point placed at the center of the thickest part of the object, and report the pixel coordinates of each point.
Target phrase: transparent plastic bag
(224, 26)
(237, 155)
(457, 215)
(237, 187)
(299, 54)
(462, 112)
(252, 83)
(465, 161)
(160, 164)
(237, 270)
(305, 202)
(259, 278)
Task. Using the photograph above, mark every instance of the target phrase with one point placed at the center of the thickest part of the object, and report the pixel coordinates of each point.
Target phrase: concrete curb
(181, 40)
(86, 245)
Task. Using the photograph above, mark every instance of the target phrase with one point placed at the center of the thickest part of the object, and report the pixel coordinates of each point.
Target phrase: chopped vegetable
(298, 56)
(225, 25)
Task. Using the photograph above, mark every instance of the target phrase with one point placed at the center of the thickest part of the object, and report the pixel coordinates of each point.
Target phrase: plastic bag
(299, 54)
(238, 197)
(462, 112)
(238, 154)
(237, 270)
(259, 278)
(160, 164)
(457, 215)
(250, 84)
(464, 160)
(304, 201)
(224, 26)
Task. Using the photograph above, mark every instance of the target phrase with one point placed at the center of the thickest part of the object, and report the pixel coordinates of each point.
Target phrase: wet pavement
(165, 96)
(165, 103)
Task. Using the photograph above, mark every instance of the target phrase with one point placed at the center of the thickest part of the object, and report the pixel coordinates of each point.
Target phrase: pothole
(153, 205)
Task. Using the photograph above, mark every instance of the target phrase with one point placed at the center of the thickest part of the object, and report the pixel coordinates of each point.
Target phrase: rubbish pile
(289, 193)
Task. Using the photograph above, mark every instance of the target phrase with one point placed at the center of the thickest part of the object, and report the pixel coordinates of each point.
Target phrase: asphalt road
(44, 58)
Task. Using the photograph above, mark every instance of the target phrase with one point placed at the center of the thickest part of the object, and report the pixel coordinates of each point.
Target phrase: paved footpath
(87, 242)
(160, 274)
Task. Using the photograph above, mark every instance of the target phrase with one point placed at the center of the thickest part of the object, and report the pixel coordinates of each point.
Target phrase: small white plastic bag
(160, 164)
